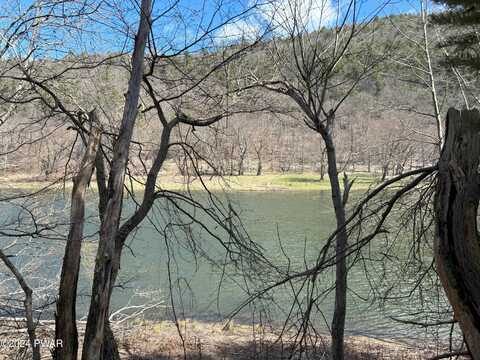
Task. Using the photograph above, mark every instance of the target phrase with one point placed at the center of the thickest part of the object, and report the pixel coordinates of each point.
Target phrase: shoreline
(141, 340)
(269, 182)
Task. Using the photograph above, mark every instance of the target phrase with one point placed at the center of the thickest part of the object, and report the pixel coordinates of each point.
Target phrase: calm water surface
(299, 221)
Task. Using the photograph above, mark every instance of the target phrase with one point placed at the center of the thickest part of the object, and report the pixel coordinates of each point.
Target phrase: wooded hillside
(387, 125)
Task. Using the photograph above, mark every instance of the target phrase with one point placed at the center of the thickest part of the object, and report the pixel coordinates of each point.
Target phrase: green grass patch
(294, 182)
(265, 182)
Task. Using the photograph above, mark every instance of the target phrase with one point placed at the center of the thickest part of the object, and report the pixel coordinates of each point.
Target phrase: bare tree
(101, 290)
(28, 305)
(423, 66)
(64, 108)
(306, 72)
(66, 329)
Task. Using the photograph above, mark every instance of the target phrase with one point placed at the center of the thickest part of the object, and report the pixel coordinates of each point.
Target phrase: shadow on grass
(303, 180)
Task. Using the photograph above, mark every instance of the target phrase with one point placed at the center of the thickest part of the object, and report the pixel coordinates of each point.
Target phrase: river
(291, 228)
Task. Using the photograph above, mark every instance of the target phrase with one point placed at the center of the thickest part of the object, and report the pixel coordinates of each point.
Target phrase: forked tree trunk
(93, 346)
(66, 334)
(457, 244)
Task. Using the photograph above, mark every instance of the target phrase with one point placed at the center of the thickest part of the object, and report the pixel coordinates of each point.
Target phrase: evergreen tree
(464, 42)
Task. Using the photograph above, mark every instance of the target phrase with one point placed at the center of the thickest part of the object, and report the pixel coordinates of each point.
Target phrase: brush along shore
(147, 340)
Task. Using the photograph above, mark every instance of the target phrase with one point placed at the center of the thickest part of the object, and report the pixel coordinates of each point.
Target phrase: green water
(291, 227)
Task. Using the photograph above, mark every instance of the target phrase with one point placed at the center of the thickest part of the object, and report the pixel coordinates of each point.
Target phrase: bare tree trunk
(322, 165)
(258, 148)
(242, 153)
(338, 322)
(230, 160)
(385, 171)
(433, 91)
(98, 311)
(66, 334)
(457, 244)
(259, 165)
(27, 304)
(110, 346)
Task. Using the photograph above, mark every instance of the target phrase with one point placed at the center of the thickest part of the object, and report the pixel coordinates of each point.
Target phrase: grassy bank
(296, 182)
(266, 182)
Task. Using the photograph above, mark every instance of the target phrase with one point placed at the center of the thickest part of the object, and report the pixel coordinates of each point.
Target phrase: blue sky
(313, 13)
(106, 30)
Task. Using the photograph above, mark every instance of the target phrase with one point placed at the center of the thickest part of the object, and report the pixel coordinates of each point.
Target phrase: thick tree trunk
(99, 305)
(457, 244)
(110, 346)
(338, 322)
(66, 334)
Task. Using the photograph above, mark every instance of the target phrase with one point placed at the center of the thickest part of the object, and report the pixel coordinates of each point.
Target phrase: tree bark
(99, 305)
(66, 334)
(338, 322)
(457, 245)
(110, 346)
(322, 165)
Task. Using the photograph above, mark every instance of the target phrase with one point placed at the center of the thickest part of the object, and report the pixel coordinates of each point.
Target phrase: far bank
(266, 182)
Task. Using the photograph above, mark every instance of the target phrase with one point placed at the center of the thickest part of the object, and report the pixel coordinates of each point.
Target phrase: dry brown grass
(209, 341)
(214, 341)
